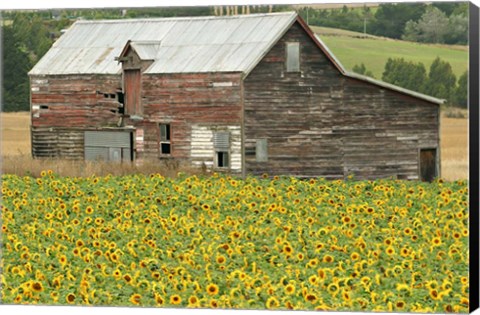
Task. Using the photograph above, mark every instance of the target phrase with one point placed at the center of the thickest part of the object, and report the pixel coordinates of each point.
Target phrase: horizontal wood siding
(320, 123)
(203, 151)
(62, 107)
(74, 100)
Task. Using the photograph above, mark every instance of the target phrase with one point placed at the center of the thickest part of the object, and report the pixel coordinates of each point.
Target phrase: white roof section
(176, 45)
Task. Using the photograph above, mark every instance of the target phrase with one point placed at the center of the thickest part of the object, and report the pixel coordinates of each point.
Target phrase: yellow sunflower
(175, 299)
(136, 298)
(212, 289)
(272, 303)
(70, 298)
(290, 289)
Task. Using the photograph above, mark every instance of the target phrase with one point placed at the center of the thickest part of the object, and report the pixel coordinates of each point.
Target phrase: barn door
(428, 164)
(132, 85)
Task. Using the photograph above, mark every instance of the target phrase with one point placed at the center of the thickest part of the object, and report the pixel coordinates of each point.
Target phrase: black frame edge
(473, 104)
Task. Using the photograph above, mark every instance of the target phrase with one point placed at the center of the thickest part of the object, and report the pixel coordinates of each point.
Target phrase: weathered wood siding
(64, 105)
(203, 151)
(185, 101)
(319, 123)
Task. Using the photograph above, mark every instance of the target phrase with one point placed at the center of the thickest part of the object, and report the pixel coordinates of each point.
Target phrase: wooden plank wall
(320, 123)
(75, 100)
(185, 100)
(64, 105)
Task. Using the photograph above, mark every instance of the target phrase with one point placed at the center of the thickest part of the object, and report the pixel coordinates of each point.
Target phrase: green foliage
(406, 74)
(461, 92)
(457, 29)
(169, 12)
(361, 69)
(345, 19)
(435, 27)
(431, 28)
(390, 19)
(16, 64)
(439, 23)
(441, 80)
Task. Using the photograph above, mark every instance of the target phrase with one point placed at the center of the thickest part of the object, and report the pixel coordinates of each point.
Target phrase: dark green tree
(441, 80)
(406, 74)
(16, 64)
(390, 19)
(361, 69)
(461, 92)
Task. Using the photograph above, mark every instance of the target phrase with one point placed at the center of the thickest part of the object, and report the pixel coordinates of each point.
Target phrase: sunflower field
(225, 242)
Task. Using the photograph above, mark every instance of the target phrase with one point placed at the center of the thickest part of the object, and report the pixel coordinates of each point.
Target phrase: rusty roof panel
(199, 44)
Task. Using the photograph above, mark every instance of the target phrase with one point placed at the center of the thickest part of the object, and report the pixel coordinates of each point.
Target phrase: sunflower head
(272, 303)
(37, 286)
(136, 299)
(70, 298)
(175, 299)
(212, 289)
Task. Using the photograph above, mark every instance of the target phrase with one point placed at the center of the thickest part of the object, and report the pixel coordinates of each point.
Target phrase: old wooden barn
(246, 94)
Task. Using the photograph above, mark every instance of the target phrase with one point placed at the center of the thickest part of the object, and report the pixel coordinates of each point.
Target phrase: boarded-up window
(221, 143)
(293, 57)
(261, 150)
(165, 143)
(132, 86)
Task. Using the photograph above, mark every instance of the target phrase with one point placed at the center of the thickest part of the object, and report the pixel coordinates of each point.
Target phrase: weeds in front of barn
(25, 165)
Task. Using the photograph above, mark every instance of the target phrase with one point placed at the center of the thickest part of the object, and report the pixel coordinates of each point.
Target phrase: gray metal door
(108, 145)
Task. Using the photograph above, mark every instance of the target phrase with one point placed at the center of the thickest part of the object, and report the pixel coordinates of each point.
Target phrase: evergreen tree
(405, 74)
(441, 80)
(461, 92)
(16, 64)
(361, 69)
(390, 19)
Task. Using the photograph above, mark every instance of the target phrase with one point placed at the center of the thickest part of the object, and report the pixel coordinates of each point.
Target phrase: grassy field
(16, 151)
(352, 48)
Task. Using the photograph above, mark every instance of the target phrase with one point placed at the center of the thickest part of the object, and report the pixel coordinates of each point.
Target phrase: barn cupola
(135, 57)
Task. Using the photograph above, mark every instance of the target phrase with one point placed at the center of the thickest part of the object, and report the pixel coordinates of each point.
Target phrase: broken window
(221, 143)
(222, 159)
(165, 144)
(293, 57)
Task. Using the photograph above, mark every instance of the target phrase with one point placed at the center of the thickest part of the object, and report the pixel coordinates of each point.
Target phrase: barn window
(221, 143)
(222, 159)
(165, 144)
(293, 57)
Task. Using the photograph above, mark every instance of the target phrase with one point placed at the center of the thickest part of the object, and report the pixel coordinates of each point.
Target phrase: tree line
(439, 82)
(437, 22)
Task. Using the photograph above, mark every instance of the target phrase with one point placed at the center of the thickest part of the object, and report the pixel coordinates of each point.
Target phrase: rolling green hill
(353, 48)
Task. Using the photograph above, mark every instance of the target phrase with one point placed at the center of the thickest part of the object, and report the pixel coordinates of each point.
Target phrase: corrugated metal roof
(181, 45)
(199, 44)
(147, 50)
